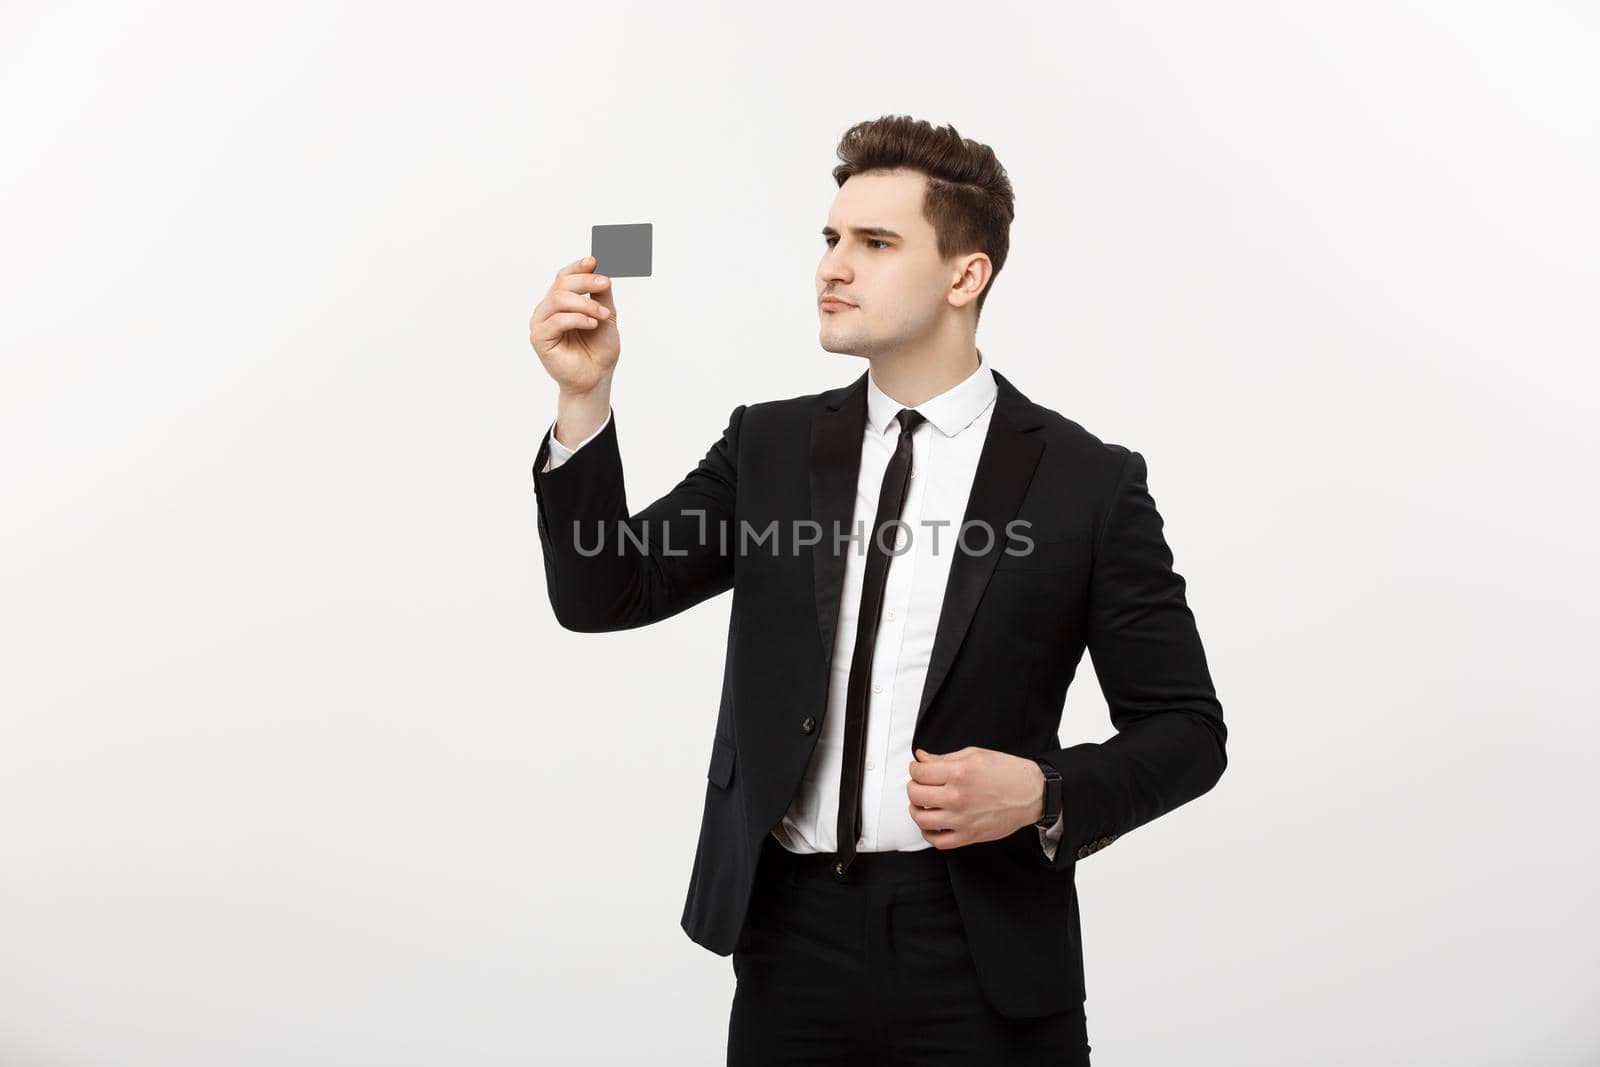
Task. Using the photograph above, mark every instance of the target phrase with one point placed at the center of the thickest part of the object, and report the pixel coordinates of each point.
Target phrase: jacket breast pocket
(722, 759)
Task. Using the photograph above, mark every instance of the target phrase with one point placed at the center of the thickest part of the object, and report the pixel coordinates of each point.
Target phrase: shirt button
(808, 724)
(877, 688)
(871, 765)
(891, 614)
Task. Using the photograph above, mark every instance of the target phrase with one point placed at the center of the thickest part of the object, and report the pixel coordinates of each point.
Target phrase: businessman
(918, 561)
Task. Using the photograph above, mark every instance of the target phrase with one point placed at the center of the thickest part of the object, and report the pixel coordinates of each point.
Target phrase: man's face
(891, 274)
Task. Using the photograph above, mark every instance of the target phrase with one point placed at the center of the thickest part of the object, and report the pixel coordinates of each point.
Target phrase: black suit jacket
(1011, 633)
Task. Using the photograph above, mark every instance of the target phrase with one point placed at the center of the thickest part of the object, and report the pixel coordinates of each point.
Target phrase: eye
(871, 241)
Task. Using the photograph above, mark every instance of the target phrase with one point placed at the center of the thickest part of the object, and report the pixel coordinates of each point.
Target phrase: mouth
(831, 304)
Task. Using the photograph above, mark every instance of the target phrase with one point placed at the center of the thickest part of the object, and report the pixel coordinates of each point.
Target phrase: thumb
(924, 754)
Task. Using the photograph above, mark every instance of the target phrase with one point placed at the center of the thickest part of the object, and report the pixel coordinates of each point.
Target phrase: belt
(867, 868)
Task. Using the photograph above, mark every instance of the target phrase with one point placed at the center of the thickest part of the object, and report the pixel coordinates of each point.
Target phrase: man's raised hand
(575, 333)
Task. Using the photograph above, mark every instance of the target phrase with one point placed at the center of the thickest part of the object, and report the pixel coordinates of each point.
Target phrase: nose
(833, 263)
(830, 271)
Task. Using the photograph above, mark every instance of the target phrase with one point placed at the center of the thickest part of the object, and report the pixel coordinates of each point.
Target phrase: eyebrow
(863, 231)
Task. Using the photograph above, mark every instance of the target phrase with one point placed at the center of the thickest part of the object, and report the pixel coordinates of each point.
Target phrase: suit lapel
(1005, 467)
(836, 434)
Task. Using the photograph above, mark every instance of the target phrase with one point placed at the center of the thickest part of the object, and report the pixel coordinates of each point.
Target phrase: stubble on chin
(846, 342)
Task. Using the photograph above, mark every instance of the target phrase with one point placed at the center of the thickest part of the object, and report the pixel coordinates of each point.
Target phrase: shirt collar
(951, 411)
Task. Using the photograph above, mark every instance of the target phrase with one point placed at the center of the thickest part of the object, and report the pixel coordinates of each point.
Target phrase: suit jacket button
(808, 724)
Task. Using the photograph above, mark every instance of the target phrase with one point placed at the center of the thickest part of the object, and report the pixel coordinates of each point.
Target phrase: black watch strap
(1052, 795)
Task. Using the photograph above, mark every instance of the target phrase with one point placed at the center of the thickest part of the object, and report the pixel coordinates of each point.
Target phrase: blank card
(621, 251)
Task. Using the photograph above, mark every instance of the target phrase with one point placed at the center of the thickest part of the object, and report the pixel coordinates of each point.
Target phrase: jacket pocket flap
(721, 770)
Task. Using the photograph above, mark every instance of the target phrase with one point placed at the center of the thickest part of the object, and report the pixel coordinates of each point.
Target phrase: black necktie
(891, 499)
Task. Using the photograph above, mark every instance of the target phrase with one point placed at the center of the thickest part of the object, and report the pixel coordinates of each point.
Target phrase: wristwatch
(1052, 795)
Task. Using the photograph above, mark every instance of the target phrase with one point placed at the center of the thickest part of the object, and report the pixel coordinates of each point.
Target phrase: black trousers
(872, 968)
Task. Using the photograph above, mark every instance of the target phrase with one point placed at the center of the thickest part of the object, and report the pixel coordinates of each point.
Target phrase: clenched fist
(974, 794)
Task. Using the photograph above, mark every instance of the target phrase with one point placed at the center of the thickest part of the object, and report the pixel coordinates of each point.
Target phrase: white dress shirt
(944, 459)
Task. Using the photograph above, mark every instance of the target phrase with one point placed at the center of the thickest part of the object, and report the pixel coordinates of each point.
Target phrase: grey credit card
(621, 251)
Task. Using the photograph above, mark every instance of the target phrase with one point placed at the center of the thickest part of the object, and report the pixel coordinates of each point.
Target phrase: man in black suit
(918, 561)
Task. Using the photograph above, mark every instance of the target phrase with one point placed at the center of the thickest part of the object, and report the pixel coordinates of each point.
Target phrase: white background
(296, 765)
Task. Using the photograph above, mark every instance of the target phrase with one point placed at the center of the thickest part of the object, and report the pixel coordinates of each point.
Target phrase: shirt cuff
(1050, 839)
(560, 453)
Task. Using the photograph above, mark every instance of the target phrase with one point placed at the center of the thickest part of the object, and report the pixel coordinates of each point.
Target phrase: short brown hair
(968, 198)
